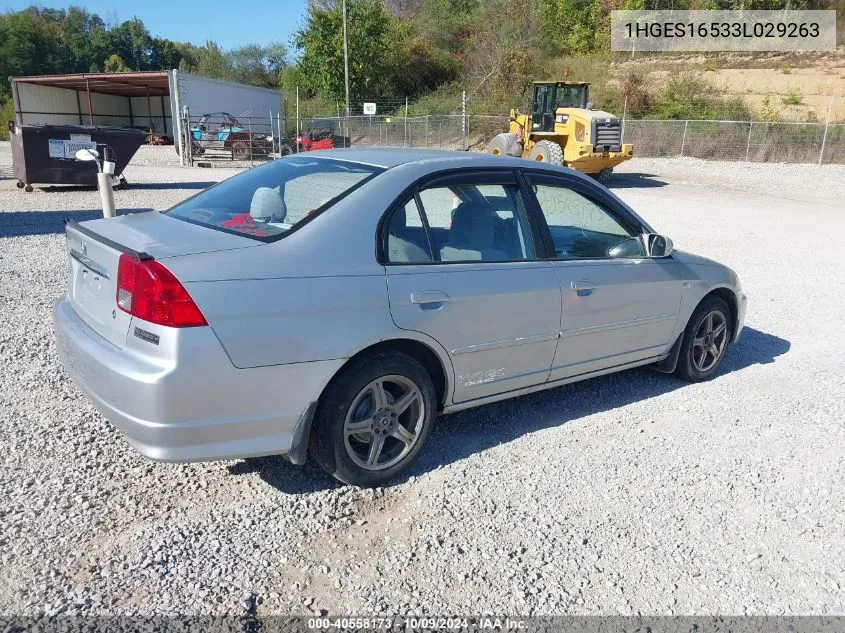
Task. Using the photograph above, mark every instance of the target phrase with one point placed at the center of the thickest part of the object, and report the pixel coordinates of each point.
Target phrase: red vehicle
(315, 139)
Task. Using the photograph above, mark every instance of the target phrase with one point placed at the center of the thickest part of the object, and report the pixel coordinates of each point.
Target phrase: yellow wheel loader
(565, 129)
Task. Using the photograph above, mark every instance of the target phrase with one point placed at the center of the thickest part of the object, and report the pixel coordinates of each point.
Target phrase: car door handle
(583, 287)
(427, 297)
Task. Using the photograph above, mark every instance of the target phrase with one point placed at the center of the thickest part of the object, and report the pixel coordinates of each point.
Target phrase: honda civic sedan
(333, 304)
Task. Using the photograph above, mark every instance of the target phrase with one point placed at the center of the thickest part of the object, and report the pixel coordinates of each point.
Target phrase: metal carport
(117, 99)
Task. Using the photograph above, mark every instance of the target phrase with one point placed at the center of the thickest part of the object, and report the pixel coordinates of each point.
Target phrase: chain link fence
(433, 132)
(252, 139)
(223, 137)
(446, 131)
(755, 141)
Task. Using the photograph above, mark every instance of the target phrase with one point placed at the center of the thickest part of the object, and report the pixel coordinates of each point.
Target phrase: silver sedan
(332, 304)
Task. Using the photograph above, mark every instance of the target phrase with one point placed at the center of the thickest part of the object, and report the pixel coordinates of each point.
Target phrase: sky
(228, 22)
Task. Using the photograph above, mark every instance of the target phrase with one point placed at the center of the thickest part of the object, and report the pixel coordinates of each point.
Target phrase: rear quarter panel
(264, 322)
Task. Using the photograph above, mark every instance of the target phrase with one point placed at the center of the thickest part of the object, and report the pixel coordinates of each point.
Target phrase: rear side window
(266, 202)
(477, 223)
(463, 223)
(406, 237)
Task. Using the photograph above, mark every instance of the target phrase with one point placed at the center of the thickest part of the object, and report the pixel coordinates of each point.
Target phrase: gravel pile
(632, 493)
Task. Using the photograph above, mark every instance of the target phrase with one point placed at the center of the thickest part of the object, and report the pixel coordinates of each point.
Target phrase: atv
(222, 131)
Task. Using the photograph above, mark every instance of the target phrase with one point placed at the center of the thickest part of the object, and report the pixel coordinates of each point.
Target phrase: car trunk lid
(160, 236)
(94, 250)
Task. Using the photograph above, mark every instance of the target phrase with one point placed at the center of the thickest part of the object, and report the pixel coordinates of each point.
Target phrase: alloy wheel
(710, 340)
(384, 422)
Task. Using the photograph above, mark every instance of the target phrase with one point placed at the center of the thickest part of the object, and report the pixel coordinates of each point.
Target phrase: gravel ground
(633, 493)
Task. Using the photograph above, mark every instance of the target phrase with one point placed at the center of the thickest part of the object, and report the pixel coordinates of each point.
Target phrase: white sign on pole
(370, 108)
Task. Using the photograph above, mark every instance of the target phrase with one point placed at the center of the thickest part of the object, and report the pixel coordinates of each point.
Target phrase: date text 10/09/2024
(487, 623)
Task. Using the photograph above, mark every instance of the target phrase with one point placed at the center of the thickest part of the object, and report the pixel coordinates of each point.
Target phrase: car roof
(393, 157)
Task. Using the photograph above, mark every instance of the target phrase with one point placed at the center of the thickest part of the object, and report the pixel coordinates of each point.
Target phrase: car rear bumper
(183, 400)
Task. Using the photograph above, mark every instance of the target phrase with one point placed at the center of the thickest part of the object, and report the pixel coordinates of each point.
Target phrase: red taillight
(147, 290)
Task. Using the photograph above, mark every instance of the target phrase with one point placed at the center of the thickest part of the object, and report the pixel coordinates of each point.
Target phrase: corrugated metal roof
(122, 84)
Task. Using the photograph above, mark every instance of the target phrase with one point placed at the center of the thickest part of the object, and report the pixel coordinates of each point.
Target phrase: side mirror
(658, 245)
(591, 105)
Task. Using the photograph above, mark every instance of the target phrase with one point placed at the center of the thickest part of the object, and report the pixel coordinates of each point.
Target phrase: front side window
(477, 223)
(266, 202)
(583, 229)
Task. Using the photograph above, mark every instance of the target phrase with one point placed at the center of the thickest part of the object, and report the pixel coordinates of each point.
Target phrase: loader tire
(547, 152)
(604, 176)
(504, 145)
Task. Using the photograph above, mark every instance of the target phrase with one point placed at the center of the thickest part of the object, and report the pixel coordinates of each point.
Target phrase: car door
(618, 306)
(461, 267)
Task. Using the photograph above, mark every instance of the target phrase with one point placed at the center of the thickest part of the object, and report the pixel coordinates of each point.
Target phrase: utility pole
(346, 59)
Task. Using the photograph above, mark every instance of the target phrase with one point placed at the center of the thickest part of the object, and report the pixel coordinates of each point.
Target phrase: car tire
(705, 342)
(546, 152)
(359, 435)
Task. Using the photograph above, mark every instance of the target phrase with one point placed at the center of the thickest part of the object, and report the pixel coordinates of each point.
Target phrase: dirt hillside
(790, 87)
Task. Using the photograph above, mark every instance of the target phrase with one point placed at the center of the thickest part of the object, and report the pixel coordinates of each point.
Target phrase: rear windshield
(266, 202)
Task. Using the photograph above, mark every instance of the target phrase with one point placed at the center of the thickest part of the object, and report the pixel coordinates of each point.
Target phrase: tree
(7, 113)
(448, 23)
(321, 42)
(39, 41)
(133, 43)
(164, 54)
(416, 65)
(23, 47)
(211, 61)
(115, 64)
(87, 39)
(258, 65)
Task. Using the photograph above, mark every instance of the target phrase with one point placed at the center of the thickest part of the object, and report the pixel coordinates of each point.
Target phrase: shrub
(686, 96)
(634, 93)
(7, 113)
(768, 112)
(793, 97)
